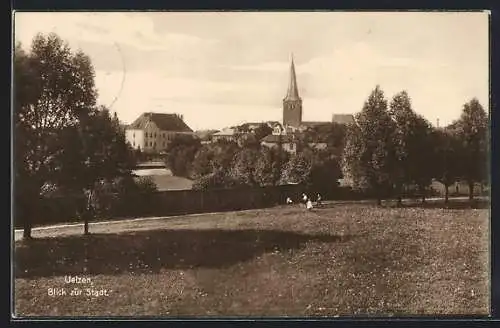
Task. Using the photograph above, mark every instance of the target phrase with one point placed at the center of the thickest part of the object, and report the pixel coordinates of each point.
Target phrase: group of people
(306, 201)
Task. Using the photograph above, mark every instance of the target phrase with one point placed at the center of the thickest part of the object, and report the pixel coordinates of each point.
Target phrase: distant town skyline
(220, 69)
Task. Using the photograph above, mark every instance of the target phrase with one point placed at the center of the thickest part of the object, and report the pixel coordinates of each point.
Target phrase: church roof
(343, 118)
(292, 92)
(165, 122)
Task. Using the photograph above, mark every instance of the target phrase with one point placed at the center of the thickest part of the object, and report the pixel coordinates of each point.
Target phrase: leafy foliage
(54, 91)
(298, 169)
(243, 166)
(331, 133)
(446, 157)
(269, 165)
(262, 131)
(472, 131)
(413, 144)
(215, 180)
(369, 154)
(180, 155)
(61, 137)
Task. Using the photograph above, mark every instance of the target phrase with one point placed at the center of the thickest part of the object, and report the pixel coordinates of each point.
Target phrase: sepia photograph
(325, 164)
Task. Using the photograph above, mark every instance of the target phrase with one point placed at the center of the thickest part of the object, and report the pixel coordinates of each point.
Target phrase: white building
(152, 132)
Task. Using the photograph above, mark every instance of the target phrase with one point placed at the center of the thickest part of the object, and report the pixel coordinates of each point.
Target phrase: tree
(243, 166)
(353, 169)
(326, 171)
(412, 144)
(224, 152)
(248, 140)
(332, 133)
(298, 169)
(212, 165)
(54, 90)
(472, 130)
(446, 158)
(212, 157)
(203, 161)
(369, 157)
(102, 154)
(215, 180)
(263, 130)
(268, 167)
(316, 169)
(180, 155)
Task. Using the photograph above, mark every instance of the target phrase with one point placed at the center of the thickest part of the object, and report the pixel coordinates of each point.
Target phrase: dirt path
(147, 223)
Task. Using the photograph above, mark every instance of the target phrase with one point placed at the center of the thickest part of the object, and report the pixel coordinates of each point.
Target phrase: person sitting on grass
(289, 201)
(309, 205)
(318, 200)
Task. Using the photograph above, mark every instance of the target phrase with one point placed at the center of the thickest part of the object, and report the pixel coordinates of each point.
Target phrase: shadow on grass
(150, 251)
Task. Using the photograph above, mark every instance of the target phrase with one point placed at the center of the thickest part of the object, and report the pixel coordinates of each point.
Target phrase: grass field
(164, 179)
(352, 259)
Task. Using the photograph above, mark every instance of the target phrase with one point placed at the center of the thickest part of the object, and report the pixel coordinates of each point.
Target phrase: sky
(220, 69)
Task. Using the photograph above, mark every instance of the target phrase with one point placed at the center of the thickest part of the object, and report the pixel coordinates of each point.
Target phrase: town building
(205, 136)
(152, 132)
(227, 134)
(287, 138)
(252, 126)
(287, 142)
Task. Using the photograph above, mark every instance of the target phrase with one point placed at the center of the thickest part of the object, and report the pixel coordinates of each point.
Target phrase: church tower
(292, 104)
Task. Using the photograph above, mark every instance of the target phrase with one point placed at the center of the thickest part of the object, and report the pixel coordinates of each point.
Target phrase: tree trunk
(86, 226)
(446, 193)
(30, 207)
(422, 190)
(399, 190)
(471, 190)
(88, 214)
(27, 226)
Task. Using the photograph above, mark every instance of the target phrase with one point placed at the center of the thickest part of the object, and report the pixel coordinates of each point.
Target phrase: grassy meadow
(339, 260)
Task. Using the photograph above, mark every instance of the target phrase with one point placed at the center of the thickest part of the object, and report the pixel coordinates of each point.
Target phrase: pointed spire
(293, 92)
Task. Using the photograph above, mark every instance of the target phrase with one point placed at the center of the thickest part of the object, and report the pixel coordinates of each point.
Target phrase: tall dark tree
(370, 154)
(180, 155)
(212, 164)
(243, 166)
(269, 166)
(262, 131)
(53, 91)
(333, 134)
(94, 152)
(446, 158)
(413, 146)
(354, 170)
(298, 169)
(472, 130)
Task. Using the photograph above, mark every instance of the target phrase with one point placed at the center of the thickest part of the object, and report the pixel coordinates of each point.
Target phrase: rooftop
(274, 138)
(165, 122)
(226, 132)
(343, 118)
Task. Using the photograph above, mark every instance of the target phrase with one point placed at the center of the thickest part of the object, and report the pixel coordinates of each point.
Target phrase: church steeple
(293, 92)
(292, 104)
